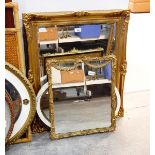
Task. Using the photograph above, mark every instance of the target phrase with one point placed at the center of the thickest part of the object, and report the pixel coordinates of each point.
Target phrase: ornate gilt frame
(53, 63)
(27, 138)
(33, 20)
(26, 127)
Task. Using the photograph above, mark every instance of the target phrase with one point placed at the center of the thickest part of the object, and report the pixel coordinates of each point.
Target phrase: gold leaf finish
(51, 63)
(30, 76)
(80, 14)
(125, 20)
(27, 18)
(123, 68)
(119, 17)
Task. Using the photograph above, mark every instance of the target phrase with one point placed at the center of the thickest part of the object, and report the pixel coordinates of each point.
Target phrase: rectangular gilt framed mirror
(82, 96)
(70, 35)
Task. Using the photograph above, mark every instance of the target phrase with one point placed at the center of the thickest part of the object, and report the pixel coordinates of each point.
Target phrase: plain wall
(138, 53)
(69, 5)
(137, 77)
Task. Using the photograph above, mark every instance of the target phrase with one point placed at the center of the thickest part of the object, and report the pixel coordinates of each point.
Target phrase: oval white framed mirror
(43, 91)
(21, 87)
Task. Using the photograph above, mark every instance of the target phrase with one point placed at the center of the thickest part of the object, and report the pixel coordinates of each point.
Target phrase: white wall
(69, 5)
(138, 53)
(137, 45)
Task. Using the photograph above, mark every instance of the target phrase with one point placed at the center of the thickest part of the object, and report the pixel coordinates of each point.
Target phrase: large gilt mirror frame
(32, 21)
(56, 64)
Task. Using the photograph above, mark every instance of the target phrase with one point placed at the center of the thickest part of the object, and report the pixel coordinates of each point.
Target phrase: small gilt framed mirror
(82, 98)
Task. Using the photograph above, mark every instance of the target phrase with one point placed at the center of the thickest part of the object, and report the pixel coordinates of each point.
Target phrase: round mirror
(23, 100)
(43, 104)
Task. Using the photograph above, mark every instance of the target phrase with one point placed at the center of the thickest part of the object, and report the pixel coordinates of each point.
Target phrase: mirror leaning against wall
(75, 36)
(68, 35)
(62, 42)
(81, 104)
(21, 103)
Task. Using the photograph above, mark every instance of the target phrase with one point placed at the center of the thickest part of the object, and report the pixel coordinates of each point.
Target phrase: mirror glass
(44, 105)
(7, 118)
(58, 40)
(114, 38)
(15, 99)
(82, 96)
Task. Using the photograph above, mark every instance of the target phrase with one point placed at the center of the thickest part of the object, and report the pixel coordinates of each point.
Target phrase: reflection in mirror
(15, 98)
(9, 117)
(82, 97)
(114, 42)
(67, 65)
(59, 40)
(111, 40)
(44, 105)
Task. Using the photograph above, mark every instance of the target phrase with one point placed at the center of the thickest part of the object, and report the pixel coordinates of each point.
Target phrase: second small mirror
(82, 99)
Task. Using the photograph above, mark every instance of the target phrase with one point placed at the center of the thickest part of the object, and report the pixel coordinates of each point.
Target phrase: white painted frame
(46, 121)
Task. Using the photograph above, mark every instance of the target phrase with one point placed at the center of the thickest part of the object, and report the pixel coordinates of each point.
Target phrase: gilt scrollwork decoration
(80, 14)
(51, 105)
(60, 65)
(65, 68)
(113, 97)
(123, 68)
(30, 76)
(27, 18)
(96, 65)
(51, 63)
(125, 20)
